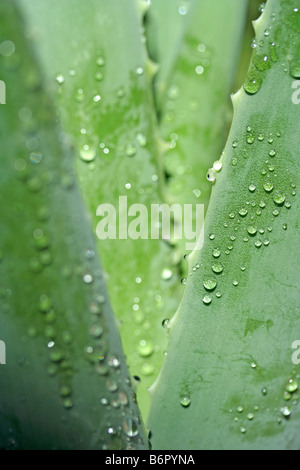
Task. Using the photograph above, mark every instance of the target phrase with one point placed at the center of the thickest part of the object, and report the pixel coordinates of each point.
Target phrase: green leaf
(196, 111)
(65, 384)
(228, 380)
(166, 22)
(101, 79)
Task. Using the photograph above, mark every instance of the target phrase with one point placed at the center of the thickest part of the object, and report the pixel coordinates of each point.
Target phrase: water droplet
(45, 303)
(258, 243)
(207, 300)
(199, 70)
(217, 268)
(264, 391)
(261, 62)
(273, 52)
(268, 186)
(279, 198)
(183, 9)
(166, 274)
(111, 431)
(123, 398)
(252, 83)
(216, 252)
(272, 153)
(243, 212)
(130, 427)
(79, 96)
(201, 47)
(87, 153)
(141, 140)
(88, 279)
(252, 230)
(292, 385)
(113, 362)
(139, 71)
(96, 331)
(56, 356)
(286, 395)
(217, 166)
(250, 416)
(130, 150)
(60, 78)
(185, 401)
(286, 411)
(211, 175)
(100, 61)
(145, 349)
(210, 284)
(65, 391)
(99, 76)
(295, 69)
(97, 98)
(252, 187)
(68, 403)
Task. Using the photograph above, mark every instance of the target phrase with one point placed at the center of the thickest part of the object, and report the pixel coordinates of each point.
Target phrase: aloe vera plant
(91, 117)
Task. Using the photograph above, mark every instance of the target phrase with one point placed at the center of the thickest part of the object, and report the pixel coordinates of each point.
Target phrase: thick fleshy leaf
(101, 78)
(230, 377)
(65, 384)
(166, 22)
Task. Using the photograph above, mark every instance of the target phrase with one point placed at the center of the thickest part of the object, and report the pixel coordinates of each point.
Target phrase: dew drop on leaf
(60, 78)
(217, 268)
(292, 385)
(185, 401)
(279, 198)
(210, 284)
(207, 300)
(130, 427)
(253, 83)
(268, 186)
(251, 230)
(87, 153)
(295, 68)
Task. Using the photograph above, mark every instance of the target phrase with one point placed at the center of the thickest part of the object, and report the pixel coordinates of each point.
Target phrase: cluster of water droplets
(91, 146)
(270, 195)
(271, 48)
